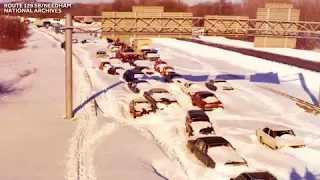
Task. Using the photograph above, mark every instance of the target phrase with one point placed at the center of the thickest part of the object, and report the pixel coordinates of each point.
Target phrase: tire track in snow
(144, 131)
(80, 164)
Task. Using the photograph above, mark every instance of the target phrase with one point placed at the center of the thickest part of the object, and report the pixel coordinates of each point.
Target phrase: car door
(198, 150)
(264, 135)
(188, 120)
(272, 139)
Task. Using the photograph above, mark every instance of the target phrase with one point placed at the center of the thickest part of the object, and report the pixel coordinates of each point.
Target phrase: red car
(167, 70)
(127, 54)
(157, 63)
(206, 100)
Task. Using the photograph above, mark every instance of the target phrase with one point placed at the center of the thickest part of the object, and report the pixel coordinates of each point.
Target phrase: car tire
(276, 147)
(193, 104)
(261, 140)
(134, 116)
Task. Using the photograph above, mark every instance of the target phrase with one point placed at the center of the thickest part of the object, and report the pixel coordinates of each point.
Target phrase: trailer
(141, 44)
(38, 22)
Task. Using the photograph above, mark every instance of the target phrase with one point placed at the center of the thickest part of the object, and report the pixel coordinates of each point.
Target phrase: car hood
(141, 106)
(289, 140)
(197, 126)
(223, 154)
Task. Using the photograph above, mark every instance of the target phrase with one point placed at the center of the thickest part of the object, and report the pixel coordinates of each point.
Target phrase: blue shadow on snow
(96, 95)
(294, 175)
(307, 90)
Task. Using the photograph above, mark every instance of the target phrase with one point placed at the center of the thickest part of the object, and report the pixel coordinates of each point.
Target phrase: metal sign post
(319, 98)
(68, 64)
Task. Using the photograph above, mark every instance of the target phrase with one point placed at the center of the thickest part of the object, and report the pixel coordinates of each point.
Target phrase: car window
(199, 144)
(280, 133)
(266, 130)
(271, 133)
(241, 177)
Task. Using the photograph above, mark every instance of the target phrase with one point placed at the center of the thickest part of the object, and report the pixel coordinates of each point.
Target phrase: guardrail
(293, 61)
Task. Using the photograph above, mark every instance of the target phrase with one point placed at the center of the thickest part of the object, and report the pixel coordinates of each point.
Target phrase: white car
(191, 88)
(218, 84)
(115, 61)
(278, 136)
(142, 62)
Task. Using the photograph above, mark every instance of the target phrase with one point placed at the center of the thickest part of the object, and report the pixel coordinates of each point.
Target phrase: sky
(190, 2)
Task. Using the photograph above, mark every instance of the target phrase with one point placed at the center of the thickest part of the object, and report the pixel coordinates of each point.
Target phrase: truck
(38, 22)
(141, 44)
(143, 47)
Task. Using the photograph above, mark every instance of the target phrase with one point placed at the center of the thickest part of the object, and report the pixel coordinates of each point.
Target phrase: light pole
(68, 66)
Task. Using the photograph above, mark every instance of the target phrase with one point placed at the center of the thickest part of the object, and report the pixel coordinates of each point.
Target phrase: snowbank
(34, 138)
(303, 54)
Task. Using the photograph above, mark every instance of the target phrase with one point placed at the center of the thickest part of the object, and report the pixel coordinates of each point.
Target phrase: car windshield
(128, 50)
(101, 52)
(159, 91)
(206, 95)
(280, 133)
(206, 131)
(220, 144)
(217, 81)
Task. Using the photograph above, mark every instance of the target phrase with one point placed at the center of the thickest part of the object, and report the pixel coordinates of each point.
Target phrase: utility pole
(319, 98)
(68, 66)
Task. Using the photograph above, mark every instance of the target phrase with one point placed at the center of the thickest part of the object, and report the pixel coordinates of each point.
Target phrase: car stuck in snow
(206, 100)
(278, 136)
(159, 96)
(139, 107)
(139, 85)
(218, 84)
(198, 123)
(215, 150)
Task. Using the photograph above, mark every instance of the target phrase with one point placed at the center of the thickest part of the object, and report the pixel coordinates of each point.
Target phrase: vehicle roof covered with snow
(140, 100)
(159, 90)
(198, 115)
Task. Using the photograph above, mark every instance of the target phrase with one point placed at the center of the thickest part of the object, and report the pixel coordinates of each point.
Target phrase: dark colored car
(194, 117)
(114, 70)
(151, 51)
(133, 85)
(63, 44)
(139, 107)
(170, 77)
(163, 96)
(209, 148)
(87, 41)
(144, 69)
(109, 40)
(129, 75)
(216, 84)
(264, 175)
(206, 100)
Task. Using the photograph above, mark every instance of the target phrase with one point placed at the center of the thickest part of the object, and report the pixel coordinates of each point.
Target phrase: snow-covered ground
(304, 54)
(34, 138)
(247, 108)
(36, 143)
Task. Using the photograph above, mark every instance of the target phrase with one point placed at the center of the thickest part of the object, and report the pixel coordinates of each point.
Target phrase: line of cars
(210, 148)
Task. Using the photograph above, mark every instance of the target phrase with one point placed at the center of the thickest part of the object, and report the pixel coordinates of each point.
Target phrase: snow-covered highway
(114, 145)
